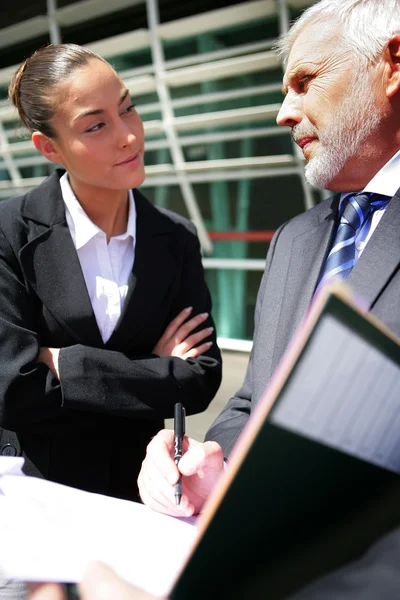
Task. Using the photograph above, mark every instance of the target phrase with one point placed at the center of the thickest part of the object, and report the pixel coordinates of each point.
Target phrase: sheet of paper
(49, 532)
(345, 394)
(11, 465)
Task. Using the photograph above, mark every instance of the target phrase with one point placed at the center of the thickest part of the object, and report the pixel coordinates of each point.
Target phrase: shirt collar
(81, 227)
(385, 182)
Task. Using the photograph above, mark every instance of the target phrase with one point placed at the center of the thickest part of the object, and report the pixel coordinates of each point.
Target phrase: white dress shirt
(385, 182)
(105, 267)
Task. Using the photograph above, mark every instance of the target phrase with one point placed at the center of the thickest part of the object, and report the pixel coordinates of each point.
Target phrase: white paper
(11, 465)
(50, 532)
(345, 393)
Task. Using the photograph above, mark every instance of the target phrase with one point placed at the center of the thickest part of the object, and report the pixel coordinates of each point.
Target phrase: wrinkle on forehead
(316, 49)
(317, 31)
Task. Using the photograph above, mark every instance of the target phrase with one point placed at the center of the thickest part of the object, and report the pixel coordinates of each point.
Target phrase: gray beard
(356, 119)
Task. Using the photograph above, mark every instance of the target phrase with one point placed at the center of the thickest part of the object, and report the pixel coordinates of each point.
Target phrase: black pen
(179, 432)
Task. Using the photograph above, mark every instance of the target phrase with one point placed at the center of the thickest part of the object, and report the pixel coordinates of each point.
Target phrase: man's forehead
(299, 67)
(314, 39)
(312, 47)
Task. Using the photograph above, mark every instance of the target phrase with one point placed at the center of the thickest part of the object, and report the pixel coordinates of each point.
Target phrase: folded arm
(129, 383)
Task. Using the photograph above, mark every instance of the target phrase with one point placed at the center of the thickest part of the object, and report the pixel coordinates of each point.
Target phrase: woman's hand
(177, 341)
(49, 356)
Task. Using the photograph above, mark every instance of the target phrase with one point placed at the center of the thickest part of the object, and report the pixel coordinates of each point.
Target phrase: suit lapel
(153, 271)
(380, 258)
(51, 264)
(307, 256)
(369, 277)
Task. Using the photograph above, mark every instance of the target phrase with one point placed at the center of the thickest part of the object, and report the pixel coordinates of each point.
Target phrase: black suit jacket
(91, 428)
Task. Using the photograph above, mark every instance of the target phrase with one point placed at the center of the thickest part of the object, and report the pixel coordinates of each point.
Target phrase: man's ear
(46, 146)
(393, 63)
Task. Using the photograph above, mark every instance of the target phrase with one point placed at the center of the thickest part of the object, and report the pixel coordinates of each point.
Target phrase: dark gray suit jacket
(295, 258)
(91, 430)
(294, 262)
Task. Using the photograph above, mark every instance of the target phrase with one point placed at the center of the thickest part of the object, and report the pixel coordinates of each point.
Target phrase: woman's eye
(129, 109)
(94, 128)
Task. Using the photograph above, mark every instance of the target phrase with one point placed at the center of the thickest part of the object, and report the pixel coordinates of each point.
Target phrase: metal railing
(165, 88)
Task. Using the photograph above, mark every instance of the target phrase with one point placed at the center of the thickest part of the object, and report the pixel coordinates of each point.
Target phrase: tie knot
(359, 206)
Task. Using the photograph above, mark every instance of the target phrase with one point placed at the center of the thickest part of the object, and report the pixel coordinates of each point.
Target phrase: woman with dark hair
(104, 312)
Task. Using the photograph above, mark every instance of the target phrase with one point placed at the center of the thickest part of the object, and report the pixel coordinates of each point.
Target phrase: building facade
(206, 83)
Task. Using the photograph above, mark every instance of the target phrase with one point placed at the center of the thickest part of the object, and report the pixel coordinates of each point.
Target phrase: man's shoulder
(311, 217)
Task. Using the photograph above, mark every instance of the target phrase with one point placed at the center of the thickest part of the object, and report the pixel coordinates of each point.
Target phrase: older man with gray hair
(342, 103)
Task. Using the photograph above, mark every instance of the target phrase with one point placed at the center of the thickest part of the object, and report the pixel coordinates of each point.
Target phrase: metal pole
(178, 158)
(284, 22)
(8, 158)
(54, 29)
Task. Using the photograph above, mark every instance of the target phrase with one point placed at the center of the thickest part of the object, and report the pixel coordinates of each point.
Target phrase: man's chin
(314, 177)
(320, 173)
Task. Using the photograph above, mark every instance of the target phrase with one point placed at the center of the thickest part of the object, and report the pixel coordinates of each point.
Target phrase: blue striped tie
(342, 257)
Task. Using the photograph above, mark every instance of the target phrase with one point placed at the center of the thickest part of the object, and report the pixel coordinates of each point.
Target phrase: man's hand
(49, 356)
(177, 341)
(201, 467)
(99, 583)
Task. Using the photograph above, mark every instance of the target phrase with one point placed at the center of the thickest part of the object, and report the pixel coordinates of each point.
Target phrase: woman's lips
(130, 160)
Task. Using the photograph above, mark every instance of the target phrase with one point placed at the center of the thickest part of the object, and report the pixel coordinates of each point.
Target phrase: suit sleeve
(28, 390)
(98, 379)
(374, 575)
(229, 424)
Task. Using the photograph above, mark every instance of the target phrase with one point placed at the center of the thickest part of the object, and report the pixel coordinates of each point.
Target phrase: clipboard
(305, 494)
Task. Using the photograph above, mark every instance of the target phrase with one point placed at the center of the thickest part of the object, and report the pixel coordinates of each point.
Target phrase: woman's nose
(126, 136)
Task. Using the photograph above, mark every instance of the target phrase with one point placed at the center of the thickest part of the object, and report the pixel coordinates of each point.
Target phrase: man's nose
(291, 111)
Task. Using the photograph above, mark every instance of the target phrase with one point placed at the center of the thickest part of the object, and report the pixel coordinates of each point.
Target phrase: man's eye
(303, 82)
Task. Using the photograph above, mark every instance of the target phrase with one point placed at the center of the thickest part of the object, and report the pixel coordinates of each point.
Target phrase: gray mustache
(301, 131)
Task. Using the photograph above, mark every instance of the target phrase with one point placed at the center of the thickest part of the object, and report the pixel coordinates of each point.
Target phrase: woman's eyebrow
(99, 111)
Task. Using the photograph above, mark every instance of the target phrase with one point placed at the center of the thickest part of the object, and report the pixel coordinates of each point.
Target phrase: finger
(102, 583)
(159, 494)
(159, 474)
(45, 591)
(160, 452)
(168, 506)
(195, 338)
(207, 456)
(184, 330)
(176, 323)
(155, 491)
(194, 352)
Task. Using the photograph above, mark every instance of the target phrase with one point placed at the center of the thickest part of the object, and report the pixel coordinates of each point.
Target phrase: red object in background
(243, 236)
